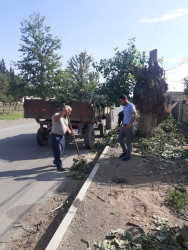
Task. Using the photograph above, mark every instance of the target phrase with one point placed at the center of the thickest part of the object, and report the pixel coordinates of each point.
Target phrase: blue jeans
(124, 133)
(58, 146)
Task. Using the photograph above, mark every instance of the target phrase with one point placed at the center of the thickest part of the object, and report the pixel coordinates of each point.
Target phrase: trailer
(85, 117)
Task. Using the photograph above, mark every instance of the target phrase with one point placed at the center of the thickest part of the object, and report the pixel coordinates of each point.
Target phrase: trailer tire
(89, 136)
(42, 137)
(109, 121)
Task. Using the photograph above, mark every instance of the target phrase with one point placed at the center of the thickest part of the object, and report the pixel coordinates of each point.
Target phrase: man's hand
(128, 126)
(72, 133)
(64, 112)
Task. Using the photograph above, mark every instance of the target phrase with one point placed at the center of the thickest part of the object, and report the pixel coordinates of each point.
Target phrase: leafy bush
(177, 200)
(80, 169)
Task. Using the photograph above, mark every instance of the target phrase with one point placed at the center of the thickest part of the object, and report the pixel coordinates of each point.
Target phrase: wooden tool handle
(72, 131)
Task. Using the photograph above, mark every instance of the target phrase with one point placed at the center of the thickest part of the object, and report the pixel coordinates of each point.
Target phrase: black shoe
(126, 158)
(123, 155)
(60, 169)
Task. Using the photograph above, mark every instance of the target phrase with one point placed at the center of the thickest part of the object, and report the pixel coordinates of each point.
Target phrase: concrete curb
(60, 232)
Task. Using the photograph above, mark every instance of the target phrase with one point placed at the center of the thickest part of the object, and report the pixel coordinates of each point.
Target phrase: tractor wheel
(42, 137)
(89, 136)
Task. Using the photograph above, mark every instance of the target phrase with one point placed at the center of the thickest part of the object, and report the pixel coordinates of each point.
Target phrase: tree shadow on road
(24, 147)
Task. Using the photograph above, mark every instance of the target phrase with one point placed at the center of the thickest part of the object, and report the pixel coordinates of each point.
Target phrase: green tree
(16, 89)
(129, 72)
(118, 72)
(186, 85)
(4, 82)
(83, 75)
(3, 69)
(40, 64)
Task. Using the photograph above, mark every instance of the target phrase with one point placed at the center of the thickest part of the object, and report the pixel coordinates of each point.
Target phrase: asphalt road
(27, 175)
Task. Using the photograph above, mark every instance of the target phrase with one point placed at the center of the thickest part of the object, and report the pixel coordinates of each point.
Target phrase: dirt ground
(37, 228)
(125, 192)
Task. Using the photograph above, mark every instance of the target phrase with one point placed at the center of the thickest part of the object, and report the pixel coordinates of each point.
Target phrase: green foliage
(166, 136)
(40, 65)
(118, 72)
(16, 89)
(83, 75)
(4, 84)
(186, 85)
(166, 238)
(80, 169)
(106, 141)
(11, 85)
(11, 117)
(177, 200)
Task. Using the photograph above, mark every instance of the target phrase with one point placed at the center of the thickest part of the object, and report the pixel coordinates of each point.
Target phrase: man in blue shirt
(127, 129)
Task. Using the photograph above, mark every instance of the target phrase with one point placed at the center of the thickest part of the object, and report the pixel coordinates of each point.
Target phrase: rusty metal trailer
(85, 117)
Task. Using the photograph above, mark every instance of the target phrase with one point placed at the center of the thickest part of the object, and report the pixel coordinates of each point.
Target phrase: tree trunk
(149, 95)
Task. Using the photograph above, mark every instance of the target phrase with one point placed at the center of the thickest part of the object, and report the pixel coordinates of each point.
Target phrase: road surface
(27, 175)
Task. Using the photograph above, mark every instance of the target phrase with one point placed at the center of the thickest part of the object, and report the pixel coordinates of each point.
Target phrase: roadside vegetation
(166, 237)
(167, 142)
(11, 116)
(177, 199)
(82, 167)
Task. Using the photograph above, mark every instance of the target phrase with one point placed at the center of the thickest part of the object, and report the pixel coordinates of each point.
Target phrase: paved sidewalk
(121, 193)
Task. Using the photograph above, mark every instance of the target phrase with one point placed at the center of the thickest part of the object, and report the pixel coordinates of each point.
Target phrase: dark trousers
(124, 133)
(58, 146)
(120, 117)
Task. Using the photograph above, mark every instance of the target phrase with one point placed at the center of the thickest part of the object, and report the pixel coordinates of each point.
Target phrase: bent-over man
(59, 128)
(127, 128)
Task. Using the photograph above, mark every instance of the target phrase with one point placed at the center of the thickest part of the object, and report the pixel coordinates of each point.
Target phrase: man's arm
(61, 114)
(132, 120)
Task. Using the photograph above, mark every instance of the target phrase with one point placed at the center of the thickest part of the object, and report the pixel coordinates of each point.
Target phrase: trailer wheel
(89, 136)
(102, 129)
(42, 137)
(109, 121)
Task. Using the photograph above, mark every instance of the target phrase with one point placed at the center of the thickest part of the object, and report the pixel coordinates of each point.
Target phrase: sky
(100, 26)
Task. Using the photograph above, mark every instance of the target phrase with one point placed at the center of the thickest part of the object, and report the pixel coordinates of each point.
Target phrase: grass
(11, 116)
(177, 200)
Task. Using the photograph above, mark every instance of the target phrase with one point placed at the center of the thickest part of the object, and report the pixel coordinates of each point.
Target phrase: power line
(180, 81)
(177, 65)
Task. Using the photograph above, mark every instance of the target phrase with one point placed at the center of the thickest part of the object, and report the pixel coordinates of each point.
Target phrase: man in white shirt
(127, 129)
(59, 128)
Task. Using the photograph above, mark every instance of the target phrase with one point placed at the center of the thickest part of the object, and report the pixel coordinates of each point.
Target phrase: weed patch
(177, 200)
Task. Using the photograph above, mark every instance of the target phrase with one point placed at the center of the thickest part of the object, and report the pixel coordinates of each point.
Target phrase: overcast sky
(99, 26)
